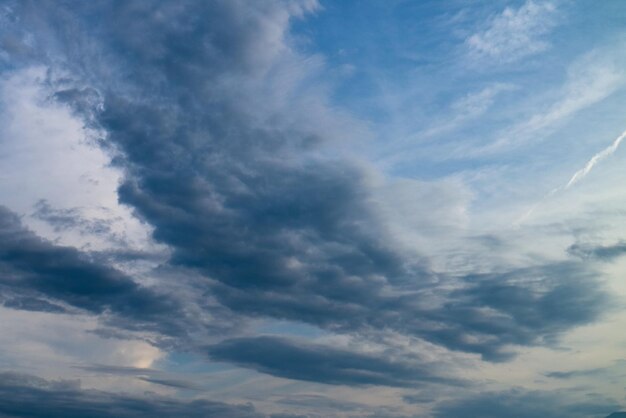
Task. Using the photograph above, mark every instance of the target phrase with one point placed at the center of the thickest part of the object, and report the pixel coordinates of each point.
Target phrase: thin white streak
(578, 176)
(608, 151)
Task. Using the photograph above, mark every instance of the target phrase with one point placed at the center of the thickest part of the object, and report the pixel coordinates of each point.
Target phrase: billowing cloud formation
(225, 158)
(520, 307)
(247, 242)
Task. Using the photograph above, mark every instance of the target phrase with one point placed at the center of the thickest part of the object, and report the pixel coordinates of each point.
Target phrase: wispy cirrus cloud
(513, 34)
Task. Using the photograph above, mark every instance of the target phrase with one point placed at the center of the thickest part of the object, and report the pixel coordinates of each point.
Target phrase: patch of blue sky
(407, 68)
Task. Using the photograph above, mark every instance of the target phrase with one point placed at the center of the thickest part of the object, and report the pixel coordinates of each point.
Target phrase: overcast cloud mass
(312, 208)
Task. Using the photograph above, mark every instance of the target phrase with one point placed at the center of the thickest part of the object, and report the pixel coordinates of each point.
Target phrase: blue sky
(302, 208)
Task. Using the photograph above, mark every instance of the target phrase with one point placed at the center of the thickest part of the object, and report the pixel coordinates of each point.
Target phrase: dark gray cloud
(600, 252)
(29, 396)
(288, 416)
(526, 306)
(523, 404)
(323, 364)
(321, 406)
(35, 270)
(29, 303)
(173, 383)
(576, 373)
(613, 373)
(418, 398)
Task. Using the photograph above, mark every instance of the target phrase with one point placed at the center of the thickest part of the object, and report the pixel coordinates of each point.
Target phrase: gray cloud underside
(29, 303)
(523, 404)
(297, 360)
(227, 174)
(600, 252)
(147, 375)
(577, 373)
(29, 396)
(613, 373)
(64, 219)
(33, 270)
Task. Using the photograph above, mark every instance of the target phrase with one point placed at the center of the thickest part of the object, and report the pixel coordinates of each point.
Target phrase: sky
(312, 208)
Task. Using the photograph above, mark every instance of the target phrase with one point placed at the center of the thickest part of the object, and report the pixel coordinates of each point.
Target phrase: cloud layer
(234, 157)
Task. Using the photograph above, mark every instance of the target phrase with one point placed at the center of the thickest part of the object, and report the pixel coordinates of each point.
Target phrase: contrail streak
(578, 176)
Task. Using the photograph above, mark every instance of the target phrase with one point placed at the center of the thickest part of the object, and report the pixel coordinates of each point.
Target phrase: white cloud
(590, 79)
(469, 107)
(45, 154)
(462, 111)
(51, 345)
(607, 152)
(513, 34)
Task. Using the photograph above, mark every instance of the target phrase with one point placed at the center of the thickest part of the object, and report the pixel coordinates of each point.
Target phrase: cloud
(26, 303)
(236, 184)
(64, 219)
(612, 373)
(513, 34)
(519, 403)
(463, 111)
(25, 395)
(145, 374)
(526, 306)
(469, 107)
(226, 147)
(576, 373)
(600, 252)
(297, 360)
(244, 186)
(33, 268)
(173, 383)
